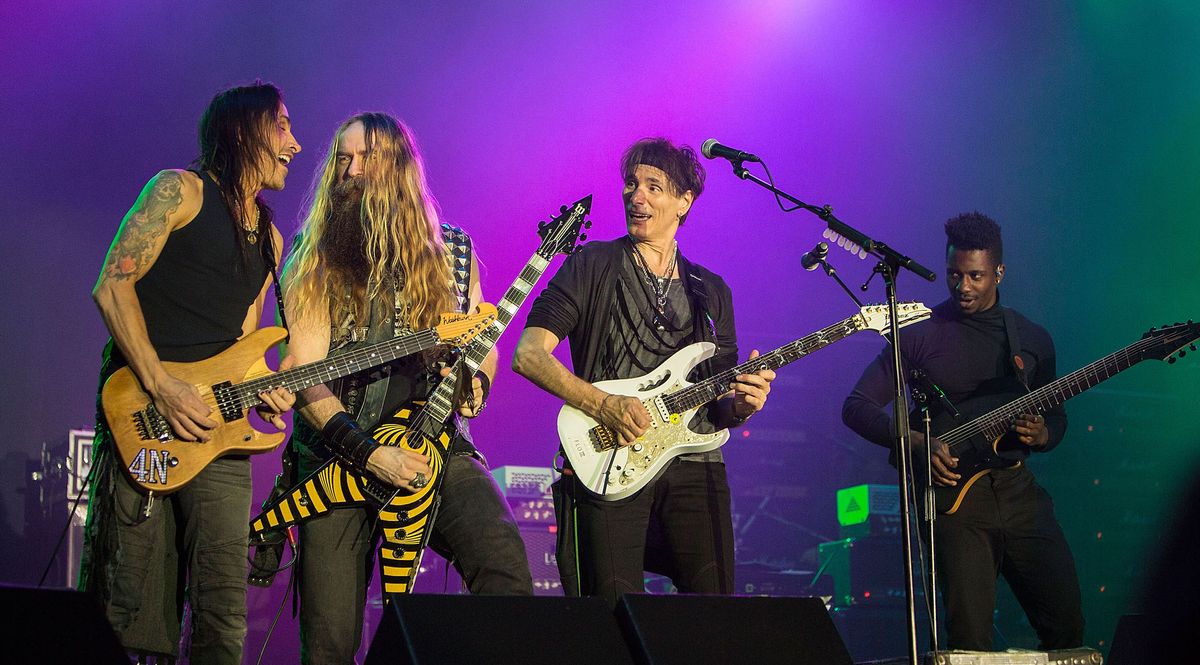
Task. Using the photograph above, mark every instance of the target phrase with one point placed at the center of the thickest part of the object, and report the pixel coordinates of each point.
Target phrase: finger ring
(419, 480)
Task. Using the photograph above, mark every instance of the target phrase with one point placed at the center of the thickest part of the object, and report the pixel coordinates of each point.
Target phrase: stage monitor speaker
(1130, 642)
(57, 626)
(663, 630)
(423, 629)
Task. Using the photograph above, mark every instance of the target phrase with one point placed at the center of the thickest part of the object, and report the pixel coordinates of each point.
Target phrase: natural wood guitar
(230, 382)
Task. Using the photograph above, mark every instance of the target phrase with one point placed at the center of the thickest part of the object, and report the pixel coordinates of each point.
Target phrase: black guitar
(981, 436)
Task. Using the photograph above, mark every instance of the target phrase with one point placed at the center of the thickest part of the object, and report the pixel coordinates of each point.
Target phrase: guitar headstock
(1165, 342)
(459, 329)
(875, 317)
(560, 234)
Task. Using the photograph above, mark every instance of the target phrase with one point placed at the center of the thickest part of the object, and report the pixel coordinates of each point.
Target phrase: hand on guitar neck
(1031, 430)
(278, 401)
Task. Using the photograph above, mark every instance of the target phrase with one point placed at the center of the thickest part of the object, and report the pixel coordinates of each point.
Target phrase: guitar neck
(441, 401)
(336, 367)
(996, 422)
(719, 384)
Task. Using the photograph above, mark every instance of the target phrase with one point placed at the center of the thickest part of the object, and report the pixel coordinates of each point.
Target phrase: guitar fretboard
(713, 387)
(441, 401)
(996, 422)
(305, 376)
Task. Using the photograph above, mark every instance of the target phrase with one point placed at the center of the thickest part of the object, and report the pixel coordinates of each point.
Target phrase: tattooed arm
(168, 202)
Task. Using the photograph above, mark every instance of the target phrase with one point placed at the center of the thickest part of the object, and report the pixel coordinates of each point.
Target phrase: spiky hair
(975, 230)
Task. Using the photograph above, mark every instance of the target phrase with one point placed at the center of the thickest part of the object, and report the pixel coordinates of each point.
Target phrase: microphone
(711, 149)
(810, 260)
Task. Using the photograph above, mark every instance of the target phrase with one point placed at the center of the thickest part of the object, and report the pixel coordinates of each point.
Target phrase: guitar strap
(269, 258)
(703, 328)
(1014, 345)
(365, 404)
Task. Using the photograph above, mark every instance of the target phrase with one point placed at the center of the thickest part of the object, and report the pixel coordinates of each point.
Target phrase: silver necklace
(660, 286)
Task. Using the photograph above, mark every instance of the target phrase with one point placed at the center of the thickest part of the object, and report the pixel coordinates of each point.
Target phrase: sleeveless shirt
(196, 295)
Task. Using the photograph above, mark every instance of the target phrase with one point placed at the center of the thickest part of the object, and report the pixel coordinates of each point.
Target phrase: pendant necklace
(660, 286)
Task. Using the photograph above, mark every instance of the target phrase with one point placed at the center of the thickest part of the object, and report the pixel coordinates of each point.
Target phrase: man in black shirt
(626, 306)
(1005, 523)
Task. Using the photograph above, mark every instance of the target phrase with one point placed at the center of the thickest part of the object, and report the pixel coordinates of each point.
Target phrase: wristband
(348, 442)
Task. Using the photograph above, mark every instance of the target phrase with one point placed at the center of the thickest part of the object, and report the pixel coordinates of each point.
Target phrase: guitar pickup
(601, 438)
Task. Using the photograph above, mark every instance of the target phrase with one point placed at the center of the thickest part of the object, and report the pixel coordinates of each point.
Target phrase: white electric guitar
(610, 471)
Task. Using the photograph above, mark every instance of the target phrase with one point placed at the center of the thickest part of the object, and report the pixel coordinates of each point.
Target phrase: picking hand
(180, 404)
(627, 417)
(943, 461)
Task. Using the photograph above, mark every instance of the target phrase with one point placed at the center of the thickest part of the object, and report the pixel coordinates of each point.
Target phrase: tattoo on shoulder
(142, 229)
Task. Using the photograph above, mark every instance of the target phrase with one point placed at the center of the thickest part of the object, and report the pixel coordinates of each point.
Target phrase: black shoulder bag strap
(1014, 346)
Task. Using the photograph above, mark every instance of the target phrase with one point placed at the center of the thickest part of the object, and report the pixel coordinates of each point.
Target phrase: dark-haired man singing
(627, 305)
(185, 278)
(1005, 524)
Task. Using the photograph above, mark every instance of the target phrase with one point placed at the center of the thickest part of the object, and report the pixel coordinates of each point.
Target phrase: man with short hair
(1005, 523)
(186, 277)
(372, 261)
(626, 306)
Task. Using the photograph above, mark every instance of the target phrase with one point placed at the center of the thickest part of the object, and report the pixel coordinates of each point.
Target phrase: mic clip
(926, 389)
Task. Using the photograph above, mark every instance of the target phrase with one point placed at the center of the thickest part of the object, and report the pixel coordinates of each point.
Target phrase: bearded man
(373, 261)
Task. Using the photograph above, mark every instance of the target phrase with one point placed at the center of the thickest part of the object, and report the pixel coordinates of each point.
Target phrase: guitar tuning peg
(588, 224)
(582, 237)
(1182, 353)
(541, 225)
(562, 209)
(1171, 360)
(1192, 347)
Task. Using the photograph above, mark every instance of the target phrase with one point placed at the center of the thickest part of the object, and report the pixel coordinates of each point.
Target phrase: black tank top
(195, 296)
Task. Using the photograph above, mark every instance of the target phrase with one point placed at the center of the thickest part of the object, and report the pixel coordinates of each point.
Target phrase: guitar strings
(1045, 396)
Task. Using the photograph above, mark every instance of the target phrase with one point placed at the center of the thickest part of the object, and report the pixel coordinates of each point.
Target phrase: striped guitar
(229, 383)
(405, 519)
(612, 472)
(981, 436)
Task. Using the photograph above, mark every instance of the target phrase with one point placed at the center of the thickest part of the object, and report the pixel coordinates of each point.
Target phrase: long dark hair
(233, 136)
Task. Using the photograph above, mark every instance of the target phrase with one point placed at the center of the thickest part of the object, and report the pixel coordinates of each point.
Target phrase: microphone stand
(890, 263)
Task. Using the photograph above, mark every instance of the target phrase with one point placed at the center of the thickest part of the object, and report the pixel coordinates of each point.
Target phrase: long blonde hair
(401, 231)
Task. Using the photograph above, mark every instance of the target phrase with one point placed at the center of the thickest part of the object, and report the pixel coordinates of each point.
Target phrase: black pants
(678, 526)
(1006, 526)
(193, 544)
(474, 527)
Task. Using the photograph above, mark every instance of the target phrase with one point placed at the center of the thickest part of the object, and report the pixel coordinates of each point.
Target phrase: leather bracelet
(348, 442)
(485, 384)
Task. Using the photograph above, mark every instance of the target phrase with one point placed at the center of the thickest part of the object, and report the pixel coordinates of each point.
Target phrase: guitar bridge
(150, 424)
(602, 438)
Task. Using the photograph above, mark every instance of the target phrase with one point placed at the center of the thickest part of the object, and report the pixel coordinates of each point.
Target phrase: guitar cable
(87, 481)
(278, 613)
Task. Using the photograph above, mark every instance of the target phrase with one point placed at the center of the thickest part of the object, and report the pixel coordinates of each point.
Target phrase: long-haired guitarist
(371, 261)
(627, 305)
(976, 351)
(185, 277)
